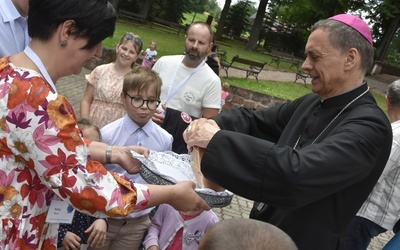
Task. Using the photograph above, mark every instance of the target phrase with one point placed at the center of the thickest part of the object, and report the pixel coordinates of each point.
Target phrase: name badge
(60, 212)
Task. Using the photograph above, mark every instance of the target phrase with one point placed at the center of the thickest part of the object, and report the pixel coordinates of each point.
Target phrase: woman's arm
(181, 196)
(86, 101)
(218, 61)
(120, 155)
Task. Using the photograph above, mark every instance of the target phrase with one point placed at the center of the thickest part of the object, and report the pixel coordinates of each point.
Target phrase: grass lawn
(169, 43)
(287, 90)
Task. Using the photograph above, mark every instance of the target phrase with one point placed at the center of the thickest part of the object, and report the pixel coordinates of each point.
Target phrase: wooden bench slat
(278, 56)
(302, 75)
(131, 15)
(253, 70)
(169, 24)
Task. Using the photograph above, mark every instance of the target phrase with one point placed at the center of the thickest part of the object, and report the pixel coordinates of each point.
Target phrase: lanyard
(170, 95)
(36, 60)
(13, 30)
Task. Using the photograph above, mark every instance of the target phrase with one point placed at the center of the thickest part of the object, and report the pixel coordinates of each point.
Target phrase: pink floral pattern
(42, 155)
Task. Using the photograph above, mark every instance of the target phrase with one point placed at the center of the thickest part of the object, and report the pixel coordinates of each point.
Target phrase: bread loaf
(195, 159)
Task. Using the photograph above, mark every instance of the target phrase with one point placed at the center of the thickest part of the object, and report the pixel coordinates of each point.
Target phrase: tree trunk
(114, 4)
(145, 7)
(221, 21)
(381, 51)
(257, 25)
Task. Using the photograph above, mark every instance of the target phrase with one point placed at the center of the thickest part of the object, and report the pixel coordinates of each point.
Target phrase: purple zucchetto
(356, 23)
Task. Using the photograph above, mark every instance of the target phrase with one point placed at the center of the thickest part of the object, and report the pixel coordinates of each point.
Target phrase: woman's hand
(200, 132)
(97, 232)
(118, 155)
(186, 199)
(181, 196)
(125, 159)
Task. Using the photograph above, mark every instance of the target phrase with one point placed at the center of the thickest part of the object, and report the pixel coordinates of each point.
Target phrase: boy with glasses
(141, 97)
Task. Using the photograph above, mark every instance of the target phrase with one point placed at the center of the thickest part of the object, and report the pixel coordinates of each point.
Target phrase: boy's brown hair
(140, 78)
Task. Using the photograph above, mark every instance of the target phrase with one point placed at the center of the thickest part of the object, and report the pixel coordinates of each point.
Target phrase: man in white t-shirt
(190, 87)
(189, 84)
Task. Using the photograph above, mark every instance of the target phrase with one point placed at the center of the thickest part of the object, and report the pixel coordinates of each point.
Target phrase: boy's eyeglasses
(136, 40)
(138, 102)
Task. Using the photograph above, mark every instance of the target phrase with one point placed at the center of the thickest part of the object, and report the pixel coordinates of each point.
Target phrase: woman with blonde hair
(101, 102)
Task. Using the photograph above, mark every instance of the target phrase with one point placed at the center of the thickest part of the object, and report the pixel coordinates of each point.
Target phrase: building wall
(239, 97)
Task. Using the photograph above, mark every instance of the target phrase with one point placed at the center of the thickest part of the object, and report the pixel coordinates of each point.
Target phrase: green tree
(257, 26)
(170, 10)
(221, 20)
(237, 20)
(393, 54)
(382, 12)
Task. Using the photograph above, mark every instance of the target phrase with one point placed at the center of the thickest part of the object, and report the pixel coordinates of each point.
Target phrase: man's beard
(192, 57)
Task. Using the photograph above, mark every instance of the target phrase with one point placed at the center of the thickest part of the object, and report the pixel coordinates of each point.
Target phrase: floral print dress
(107, 104)
(43, 157)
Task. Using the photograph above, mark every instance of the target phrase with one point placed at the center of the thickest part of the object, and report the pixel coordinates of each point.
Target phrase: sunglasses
(136, 40)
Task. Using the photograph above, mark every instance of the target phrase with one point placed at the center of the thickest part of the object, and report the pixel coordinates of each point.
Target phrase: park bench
(169, 24)
(253, 70)
(279, 56)
(131, 15)
(302, 75)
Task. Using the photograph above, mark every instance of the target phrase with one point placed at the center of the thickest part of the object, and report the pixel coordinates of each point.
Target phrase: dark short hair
(94, 19)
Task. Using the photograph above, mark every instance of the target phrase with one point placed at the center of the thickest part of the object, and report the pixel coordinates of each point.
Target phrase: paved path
(73, 87)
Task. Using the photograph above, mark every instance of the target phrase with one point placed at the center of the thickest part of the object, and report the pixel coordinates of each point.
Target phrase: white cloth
(124, 132)
(149, 54)
(383, 204)
(202, 89)
(13, 29)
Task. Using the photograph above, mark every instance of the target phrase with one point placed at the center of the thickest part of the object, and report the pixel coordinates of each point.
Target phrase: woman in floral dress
(43, 157)
(101, 102)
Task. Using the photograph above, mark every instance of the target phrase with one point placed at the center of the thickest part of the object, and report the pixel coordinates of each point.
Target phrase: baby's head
(225, 86)
(141, 94)
(89, 131)
(153, 45)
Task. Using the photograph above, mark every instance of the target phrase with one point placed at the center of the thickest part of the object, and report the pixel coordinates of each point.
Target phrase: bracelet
(108, 154)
